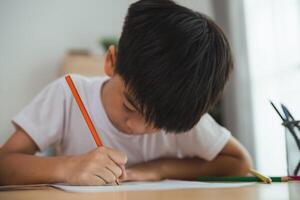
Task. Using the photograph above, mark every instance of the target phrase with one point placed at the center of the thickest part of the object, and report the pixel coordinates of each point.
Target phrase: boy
(170, 68)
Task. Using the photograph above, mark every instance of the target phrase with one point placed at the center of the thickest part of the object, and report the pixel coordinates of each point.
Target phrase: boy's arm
(233, 160)
(18, 165)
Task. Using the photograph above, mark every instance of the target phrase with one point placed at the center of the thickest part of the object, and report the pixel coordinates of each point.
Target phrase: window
(273, 40)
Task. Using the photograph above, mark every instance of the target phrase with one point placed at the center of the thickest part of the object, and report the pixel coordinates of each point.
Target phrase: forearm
(189, 168)
(18, 168)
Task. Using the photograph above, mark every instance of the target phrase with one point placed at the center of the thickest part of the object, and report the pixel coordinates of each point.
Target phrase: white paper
(160, 185)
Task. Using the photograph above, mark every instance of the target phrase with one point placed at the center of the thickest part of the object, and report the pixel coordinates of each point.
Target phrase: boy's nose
(137, 126)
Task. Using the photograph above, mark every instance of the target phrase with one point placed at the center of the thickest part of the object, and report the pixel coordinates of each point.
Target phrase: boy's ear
(110, 61)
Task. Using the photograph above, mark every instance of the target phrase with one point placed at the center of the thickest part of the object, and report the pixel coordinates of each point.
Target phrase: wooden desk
(257, 191)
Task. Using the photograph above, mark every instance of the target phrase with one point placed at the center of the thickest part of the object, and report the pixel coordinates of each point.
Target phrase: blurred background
(42, 40)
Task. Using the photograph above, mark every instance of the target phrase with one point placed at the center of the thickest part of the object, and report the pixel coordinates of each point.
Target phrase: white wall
(237, 103)
(274, 46)
(203, 6)
(34, 36)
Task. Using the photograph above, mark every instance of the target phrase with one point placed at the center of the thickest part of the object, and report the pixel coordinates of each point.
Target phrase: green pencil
(240, 179)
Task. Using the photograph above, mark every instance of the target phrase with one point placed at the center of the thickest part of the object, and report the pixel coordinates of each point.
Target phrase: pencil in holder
(292, 139)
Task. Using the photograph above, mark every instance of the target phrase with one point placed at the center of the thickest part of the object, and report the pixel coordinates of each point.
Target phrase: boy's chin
(133, 133)
(126, 131)
(130, 132)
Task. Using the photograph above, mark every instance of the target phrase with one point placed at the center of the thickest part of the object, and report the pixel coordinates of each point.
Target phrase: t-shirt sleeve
(43, 118)
(205, 140)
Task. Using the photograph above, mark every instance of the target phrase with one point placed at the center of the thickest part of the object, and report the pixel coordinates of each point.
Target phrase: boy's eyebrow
(128, 98)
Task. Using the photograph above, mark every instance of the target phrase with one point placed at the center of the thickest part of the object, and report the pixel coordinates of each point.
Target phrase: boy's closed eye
(128, 108)
(128, 103)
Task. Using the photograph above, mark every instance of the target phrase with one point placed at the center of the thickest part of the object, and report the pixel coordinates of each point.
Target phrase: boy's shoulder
(81, 82)
(80, 79)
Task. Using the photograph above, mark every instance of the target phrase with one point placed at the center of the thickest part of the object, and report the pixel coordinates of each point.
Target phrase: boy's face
(118, 105)
(121, 109)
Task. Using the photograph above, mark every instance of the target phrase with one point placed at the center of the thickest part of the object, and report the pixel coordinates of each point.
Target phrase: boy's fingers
(115, 169)
(106, 175)
(117, 156)
(96, 180)
(124, 174)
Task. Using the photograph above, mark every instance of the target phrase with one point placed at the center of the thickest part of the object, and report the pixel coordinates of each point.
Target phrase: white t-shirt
(53, 118)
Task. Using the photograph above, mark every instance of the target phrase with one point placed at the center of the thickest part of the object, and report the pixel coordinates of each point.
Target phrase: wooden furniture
(82, 62)
(258, 191)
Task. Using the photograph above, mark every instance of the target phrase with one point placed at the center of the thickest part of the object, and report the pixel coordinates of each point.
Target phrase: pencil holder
(292, 138)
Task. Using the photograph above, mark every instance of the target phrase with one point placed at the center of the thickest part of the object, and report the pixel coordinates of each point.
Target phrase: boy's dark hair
(174, 61)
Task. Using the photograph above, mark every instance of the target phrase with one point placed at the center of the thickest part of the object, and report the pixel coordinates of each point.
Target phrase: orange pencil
(84, 113)
(83, 110)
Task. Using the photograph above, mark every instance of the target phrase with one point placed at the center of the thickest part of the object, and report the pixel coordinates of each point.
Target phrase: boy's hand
(97, 167)
(143, 172)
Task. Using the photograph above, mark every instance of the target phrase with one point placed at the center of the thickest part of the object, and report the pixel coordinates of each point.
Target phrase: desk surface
(258, 191)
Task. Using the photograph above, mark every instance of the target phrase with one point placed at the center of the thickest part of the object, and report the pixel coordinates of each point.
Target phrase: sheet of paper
(160, 185)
